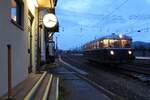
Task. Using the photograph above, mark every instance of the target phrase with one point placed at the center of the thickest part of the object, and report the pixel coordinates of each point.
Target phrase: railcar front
(112, 49)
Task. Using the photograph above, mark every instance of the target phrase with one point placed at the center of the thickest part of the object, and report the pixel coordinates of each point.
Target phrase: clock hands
(50, 21)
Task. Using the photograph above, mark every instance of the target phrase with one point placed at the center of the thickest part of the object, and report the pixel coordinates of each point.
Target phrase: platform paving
(74, 88)
(71, 86)
(21, 90)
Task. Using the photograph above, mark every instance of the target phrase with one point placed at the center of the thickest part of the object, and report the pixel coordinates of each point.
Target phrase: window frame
(19, 14)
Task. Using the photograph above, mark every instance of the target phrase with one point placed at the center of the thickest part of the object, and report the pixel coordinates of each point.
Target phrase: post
(38, 44)
(10, 93)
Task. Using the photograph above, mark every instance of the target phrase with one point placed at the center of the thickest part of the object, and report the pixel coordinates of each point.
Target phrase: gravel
(120, 84)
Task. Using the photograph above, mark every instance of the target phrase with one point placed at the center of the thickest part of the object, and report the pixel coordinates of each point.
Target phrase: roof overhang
(46, 3)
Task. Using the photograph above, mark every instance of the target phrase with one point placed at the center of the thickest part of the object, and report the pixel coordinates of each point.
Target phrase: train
(111, 49)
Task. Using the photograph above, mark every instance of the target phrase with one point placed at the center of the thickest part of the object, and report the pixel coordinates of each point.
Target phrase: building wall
(17, 38)
(34, 11)
(34, 45)
(19, 41)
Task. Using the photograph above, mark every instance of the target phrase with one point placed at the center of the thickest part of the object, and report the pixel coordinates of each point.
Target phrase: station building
(22, 38)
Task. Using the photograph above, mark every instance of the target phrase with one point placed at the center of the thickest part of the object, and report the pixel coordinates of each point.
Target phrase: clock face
(50, 20)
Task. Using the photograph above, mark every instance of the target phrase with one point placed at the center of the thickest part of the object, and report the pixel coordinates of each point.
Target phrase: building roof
(115, 36)
(112, 36)
(46, 3)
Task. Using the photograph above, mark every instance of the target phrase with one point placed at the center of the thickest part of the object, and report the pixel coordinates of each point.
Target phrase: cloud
(148, 1)
(76, 5)
(85, 5)
(94, 19)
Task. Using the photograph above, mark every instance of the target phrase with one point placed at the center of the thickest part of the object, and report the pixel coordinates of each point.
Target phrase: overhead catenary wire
(82, 27)
(116, 9)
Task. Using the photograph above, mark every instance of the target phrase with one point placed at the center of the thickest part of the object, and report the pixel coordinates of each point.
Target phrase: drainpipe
(10, 92)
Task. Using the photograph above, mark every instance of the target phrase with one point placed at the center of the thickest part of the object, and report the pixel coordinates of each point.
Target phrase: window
(17, 12)
(125, 43)
(13, 10)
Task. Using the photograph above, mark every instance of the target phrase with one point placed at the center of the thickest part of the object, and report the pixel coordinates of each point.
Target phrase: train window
(105, 43)
(114, 43)
(100, 44)
(97, 44)
(125, 43)
(110, 43)
(91, 46)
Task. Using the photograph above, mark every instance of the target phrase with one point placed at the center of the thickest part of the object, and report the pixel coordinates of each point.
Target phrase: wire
(82, 27)
(117, 8)
(139, 30)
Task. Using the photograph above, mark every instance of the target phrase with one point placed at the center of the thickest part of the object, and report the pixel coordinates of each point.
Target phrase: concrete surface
(75, 88)
(21, 90)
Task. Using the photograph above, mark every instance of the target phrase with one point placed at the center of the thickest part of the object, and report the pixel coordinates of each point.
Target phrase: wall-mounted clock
(50, 20)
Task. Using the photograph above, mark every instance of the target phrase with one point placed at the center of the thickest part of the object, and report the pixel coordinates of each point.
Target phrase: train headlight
(129, 52)
(112, 52)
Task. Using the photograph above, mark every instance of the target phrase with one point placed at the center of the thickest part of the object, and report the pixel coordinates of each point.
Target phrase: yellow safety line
(57, 89)
(35, 87)
(45, 96)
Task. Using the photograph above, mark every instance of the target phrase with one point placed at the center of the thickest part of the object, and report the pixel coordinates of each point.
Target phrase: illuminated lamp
(112, 52)
(129, 52)
(120, 36)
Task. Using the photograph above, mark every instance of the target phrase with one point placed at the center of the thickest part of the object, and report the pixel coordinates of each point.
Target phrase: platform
(143, 58)
(73, 87)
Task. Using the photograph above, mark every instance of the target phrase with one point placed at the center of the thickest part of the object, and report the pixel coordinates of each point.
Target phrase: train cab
(110, 49)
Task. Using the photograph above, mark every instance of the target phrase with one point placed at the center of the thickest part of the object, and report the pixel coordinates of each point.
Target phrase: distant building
(21, 27)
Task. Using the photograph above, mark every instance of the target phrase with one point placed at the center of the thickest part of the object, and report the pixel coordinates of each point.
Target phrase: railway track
(142, 63)
(95, 74)
(137, 71)
(92, 82)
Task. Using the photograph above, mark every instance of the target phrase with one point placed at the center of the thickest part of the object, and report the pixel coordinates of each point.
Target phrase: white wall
(11, 34)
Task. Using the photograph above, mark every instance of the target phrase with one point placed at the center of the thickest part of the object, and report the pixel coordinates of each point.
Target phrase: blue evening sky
(84, 20)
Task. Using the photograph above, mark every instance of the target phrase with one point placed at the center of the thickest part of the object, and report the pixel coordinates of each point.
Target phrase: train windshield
(116, 43)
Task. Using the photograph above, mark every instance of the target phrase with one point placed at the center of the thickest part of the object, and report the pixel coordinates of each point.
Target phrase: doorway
(30, 22)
